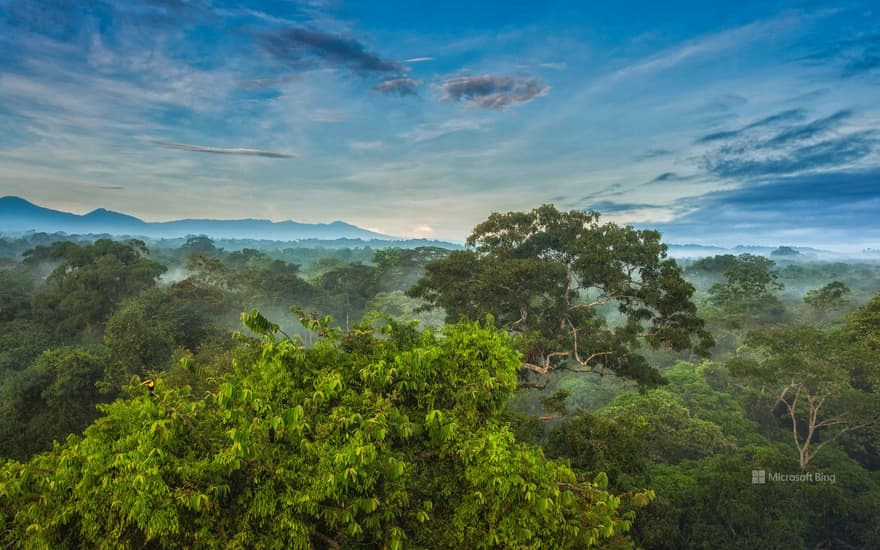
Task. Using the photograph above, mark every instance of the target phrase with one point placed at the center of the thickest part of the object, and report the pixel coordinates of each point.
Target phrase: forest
(559, 382)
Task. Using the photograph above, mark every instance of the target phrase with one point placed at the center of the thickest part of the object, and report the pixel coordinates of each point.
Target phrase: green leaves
(395, 442)
(550, 277)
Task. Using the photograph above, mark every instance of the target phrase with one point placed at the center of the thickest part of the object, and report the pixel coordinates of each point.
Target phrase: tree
(666, 427)
(200, 244)
(552, 277)
(90, 281)
(51, 398)
(347, 289)
(831, 296)
(136, 341)
(818, 379)
(749, 284)
(863, 325)
(387, 440)
(713, 264)
(274, 282)
(785, 252)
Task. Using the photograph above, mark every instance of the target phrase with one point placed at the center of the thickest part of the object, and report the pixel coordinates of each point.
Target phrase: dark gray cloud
(399, 86)
(784, 117)
(223, 150)
(495, 92)
(302, 48)
(744, 162)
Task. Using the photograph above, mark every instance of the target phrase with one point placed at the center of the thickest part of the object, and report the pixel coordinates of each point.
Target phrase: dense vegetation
(558, 383)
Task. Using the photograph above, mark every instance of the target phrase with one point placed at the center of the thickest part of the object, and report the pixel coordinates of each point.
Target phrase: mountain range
(19, 216)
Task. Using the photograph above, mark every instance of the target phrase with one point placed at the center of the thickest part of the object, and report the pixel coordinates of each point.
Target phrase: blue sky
(745, 122)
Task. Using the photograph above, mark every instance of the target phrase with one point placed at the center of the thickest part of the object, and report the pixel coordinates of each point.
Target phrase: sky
(722, 123)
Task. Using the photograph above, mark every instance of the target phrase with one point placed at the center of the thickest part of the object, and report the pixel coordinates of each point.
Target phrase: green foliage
(749, 284)
(668, 430)
(705, 389)
(831, 296)
(21, 342)
(594, 444)
(714, 264)
(712, 503)
(825, 385)
(90, 281)
(53, 397)
(785, 252)
(393, 441)
(864, 325)
(545, 275)
(136, 342)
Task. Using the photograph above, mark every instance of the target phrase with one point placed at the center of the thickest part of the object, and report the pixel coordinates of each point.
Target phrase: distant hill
(19, 216)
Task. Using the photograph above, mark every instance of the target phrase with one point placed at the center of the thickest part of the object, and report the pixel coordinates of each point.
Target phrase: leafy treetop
(552, 276)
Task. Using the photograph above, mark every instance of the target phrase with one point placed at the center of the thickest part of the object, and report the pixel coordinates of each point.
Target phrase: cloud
(613, 190)
(223, 150)
(810, 130)
(495, 92)
(266, 83)
(611, 207)
(669, 177)
(305, 49)
(828, 155)
(791, 115)
(702, 47)
(556, 66)
(752, 152)
(653, 153)
(399, 86)
(821, 208)
(428, 132)
(853, 57)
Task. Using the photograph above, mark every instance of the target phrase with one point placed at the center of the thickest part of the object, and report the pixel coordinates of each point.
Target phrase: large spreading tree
(555, 278)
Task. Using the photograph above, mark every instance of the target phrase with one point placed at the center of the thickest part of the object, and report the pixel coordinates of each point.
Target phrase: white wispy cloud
(223, 150)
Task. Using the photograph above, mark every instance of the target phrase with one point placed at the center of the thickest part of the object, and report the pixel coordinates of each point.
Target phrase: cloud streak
(495, 92)
(829, 154)
(791, 115)
(223, 150)
(302, 48)
(399, 86)
(776, 209)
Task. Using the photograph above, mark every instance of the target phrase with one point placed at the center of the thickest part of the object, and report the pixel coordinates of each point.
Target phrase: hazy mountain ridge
(18, 215)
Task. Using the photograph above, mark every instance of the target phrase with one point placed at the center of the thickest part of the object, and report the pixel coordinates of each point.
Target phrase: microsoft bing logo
(759, 477)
